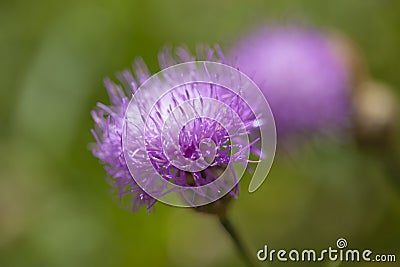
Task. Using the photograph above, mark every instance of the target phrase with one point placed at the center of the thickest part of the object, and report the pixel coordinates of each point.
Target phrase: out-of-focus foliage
(54, 206)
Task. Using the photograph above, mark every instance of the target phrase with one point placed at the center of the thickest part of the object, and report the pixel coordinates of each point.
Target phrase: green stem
(243, 252)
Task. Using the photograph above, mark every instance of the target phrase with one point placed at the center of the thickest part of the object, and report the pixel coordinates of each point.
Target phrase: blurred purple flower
(300, 76)
(109, 122)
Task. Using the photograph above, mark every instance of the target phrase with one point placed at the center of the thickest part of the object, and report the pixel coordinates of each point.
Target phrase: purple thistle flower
(300, 76)
(109, 122)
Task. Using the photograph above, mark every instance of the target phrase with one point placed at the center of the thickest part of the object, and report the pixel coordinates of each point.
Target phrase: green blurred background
(55, 209)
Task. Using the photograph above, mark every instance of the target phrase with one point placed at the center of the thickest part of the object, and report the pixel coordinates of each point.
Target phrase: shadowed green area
(55, 209)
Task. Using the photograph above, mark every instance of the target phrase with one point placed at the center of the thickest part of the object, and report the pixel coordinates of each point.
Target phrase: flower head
(109, 122)
(187, 153)
(300, 76)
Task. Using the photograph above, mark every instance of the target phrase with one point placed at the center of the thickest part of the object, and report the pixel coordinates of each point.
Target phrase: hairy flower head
(185, 151)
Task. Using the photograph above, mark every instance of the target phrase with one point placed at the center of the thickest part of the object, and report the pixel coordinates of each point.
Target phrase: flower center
(202, 138)
(191, 152)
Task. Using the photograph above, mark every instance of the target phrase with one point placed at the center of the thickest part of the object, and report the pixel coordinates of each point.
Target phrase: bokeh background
(55, 209)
